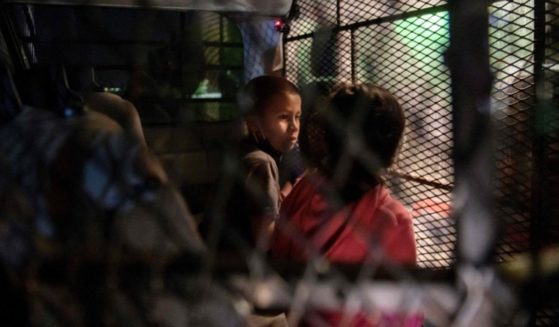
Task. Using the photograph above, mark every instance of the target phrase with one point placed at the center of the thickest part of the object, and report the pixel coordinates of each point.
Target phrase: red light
(281, 25)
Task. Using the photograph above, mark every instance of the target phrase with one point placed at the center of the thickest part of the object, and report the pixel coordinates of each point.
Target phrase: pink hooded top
(375, 224)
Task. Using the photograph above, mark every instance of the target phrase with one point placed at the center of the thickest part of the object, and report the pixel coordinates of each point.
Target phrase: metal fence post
(468, 60)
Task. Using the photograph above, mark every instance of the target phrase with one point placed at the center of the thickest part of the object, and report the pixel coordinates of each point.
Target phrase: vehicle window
(175, 67)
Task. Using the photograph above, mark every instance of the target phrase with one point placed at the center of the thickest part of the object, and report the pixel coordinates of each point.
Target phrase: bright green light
(424, 32)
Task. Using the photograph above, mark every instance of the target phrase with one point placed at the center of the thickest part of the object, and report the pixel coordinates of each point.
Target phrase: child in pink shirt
(342, 210)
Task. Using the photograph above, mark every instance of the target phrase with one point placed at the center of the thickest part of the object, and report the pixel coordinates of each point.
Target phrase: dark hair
(366, 117)
(259, 92)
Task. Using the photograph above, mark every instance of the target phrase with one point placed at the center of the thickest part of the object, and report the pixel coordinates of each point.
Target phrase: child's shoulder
(390, 204)
(260, 164)
(257, 156)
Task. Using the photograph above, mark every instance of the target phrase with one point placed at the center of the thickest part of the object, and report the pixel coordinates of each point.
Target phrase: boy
(272, 107)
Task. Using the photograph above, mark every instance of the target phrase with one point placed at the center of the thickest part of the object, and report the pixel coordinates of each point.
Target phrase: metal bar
(182, 50)
(94, 41)
(24, 24)
(100, 67)
(471, 81)
(424, 181)
(502, 201)
(29, 21)
(280, 7)
(226, 67)
(338, 15)
(283, 54)
(539, 142)
(221, 29)
(15, 47)
(222, 44)
(537, 226)
(377, 21)
(352, 38)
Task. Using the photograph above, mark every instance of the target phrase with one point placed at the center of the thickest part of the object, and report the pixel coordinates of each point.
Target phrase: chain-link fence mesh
(404, 55)
(548, 119)
(400, 46)
(511, 53)
(193, 64)
(546, 147)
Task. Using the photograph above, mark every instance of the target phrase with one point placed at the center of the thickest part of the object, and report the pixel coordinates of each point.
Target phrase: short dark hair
(367, 112)
(259, 91)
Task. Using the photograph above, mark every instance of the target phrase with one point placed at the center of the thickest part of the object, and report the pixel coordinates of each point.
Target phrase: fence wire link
(399, 45)
(404, 56)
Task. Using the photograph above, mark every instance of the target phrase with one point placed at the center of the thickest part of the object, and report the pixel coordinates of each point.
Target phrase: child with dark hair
(272, 108)
(363, 127)
(342, 210)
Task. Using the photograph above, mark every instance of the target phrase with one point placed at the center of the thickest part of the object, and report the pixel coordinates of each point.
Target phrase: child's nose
(294, 125)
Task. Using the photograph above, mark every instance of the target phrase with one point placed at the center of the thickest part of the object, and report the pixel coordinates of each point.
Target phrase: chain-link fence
(373, 42)
(401, 46)
(182, 71)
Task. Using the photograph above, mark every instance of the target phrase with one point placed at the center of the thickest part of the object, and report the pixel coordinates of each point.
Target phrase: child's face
(279, 122)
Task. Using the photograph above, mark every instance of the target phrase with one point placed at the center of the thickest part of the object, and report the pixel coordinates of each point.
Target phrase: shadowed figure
(91, 232)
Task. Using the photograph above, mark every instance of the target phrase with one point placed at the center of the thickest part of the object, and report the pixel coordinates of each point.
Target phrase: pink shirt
(347, 234)
(375, 225)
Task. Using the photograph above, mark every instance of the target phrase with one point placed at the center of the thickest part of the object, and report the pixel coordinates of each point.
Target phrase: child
(342, 211)
(363, 128)
(272, 107)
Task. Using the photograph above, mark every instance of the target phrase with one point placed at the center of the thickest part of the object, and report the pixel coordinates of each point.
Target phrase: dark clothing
(91, 233)
(254, 194)
(291, 166)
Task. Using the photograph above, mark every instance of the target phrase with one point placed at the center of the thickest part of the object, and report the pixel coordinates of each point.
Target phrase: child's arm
(399, 237)
(263, 186)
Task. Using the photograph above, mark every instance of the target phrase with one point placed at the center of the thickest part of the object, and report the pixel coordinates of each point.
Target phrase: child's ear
(253, 127)
(252, 123)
